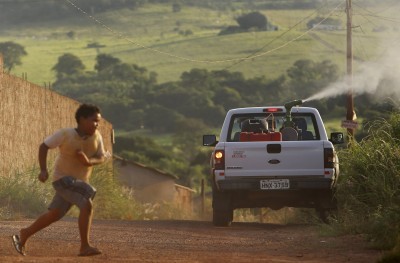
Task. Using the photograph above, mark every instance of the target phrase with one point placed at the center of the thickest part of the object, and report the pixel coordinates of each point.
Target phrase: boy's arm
(43, 149)
(97, 160)
(89, 161)
(100, 156)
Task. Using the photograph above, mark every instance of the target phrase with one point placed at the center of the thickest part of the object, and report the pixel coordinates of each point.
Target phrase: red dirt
(186, 241)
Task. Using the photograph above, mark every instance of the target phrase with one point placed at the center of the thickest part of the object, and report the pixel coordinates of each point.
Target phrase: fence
(28, 114)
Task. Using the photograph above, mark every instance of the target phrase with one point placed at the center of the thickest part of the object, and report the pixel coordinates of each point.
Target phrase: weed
(368, 189)
(23, 195)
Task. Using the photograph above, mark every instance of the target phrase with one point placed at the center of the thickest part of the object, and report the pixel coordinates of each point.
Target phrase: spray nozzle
(291, 104)
(288, 107)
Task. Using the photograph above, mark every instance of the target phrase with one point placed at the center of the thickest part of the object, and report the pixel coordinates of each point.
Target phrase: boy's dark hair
(85, 111)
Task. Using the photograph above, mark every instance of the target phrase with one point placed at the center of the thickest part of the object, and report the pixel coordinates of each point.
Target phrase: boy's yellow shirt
(69, 142)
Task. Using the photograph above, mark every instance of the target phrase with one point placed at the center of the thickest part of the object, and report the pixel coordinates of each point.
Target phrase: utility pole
(350, 116)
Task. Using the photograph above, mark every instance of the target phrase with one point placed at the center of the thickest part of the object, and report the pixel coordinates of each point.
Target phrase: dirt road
(186, 241)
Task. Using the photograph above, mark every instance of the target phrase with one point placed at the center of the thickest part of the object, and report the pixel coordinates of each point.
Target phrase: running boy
(79, 149)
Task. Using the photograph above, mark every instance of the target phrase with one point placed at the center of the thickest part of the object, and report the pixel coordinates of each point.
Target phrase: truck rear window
(259, 127)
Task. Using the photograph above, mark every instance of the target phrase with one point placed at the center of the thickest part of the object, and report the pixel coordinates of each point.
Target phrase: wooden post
(1, 66)
(350, 102)
(202, 198)
(1, 71)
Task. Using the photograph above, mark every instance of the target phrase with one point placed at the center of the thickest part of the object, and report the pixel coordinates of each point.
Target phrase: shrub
(113, 201)
(252, 20)
(369, 186)
(23, 195)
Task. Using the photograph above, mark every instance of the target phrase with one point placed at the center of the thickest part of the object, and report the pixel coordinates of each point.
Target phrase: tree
(68, 64)
(176, 7)
(187, 136)
(12, 53)
(162, 120)
(71, 34)
(104, 61)
(228, 98)
(254, 19)
(308, 77)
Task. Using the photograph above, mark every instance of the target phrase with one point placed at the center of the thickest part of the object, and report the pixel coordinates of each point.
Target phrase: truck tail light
(329, 158)
(272, 110)
(219, 160)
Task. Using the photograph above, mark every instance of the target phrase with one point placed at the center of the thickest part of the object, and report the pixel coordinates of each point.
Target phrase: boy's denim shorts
(71, 191)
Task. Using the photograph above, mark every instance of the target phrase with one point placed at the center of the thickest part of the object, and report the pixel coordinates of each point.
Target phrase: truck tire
(323, 215)
(327, 208)
(222, 208)
(222, 217)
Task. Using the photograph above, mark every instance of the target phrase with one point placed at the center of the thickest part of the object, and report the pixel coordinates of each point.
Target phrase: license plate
(274, 184)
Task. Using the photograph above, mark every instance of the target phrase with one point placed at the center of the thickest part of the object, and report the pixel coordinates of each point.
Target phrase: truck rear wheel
(222, 208)
(327, 207)
(222, 217)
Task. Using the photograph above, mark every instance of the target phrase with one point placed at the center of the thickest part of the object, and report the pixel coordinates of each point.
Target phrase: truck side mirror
(337, 138)
(209, 140)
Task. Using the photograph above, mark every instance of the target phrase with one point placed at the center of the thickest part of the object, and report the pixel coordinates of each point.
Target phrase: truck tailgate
(287, 158)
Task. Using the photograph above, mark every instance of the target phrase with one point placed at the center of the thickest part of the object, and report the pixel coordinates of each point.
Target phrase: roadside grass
(286, 215)
(22, 195)
(112, 200)
(368, 189)
(116, 201)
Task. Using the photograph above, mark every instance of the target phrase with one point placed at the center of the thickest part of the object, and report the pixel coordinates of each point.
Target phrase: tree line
(200, 94)
(133, 100)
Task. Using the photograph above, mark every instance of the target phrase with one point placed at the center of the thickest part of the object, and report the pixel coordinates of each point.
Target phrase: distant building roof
(185, 188)
(125, 161)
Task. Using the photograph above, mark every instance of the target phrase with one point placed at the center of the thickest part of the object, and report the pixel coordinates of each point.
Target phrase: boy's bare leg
(41, 222)
(85, 222)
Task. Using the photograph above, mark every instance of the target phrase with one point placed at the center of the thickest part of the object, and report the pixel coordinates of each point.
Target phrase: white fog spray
(380, 78)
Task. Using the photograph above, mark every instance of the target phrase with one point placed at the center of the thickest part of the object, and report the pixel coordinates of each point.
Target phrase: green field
(150, 38)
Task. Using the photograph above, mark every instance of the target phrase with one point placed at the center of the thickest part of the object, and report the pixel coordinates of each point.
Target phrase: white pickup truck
(273, 157)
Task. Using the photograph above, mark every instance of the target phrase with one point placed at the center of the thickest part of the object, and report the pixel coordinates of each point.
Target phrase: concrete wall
(28, 114)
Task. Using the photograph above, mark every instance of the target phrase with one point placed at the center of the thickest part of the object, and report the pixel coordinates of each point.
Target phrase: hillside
(153, 37)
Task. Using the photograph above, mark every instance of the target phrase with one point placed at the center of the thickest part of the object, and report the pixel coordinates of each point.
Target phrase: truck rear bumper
(303, 192)
(253, 184)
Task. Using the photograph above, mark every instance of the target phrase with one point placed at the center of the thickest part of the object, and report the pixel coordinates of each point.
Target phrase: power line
(280, 36)
(370, 14)
(189, 59)
(389, 19)
(378, 12)
(374, 14)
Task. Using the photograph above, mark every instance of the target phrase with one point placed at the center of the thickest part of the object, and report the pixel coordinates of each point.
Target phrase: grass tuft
(368, 189)
(113, 201)
(23, 195)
